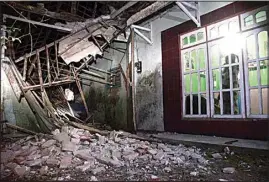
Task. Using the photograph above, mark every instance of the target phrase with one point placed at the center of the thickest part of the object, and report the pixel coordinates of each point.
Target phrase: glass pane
(263, 44)
(254, 101)
(187, 82)
(237, 102)
(203, 104)
(195, 104)
(225, 72)
(264, 65)
(226, 102)
(252, 74)
(202, 81)
(186, 62)
(233, 26)
(224, 58)
(251, 49)
(192, 38)
(185, 41)
(187, 104)
(214, 56)
(200, 36)
(265, 109)
(234, 58)
(217, 103)
(223, 29)
(236, 76)
(260, 16)
(194, 79)
(201, 55)
(216, 79)
(213, 32)
(193, 60)
(248, 20)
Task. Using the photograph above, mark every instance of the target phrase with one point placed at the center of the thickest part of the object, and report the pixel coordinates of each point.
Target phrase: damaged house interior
(134, 90)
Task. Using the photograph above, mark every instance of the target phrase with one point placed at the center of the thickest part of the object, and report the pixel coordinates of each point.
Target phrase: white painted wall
(151, 57)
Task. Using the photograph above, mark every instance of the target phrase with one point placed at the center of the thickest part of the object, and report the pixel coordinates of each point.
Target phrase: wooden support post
(48, 65)
(81, 92)
(24, 69)
(40, 75)
(56, 58)
(32, 66)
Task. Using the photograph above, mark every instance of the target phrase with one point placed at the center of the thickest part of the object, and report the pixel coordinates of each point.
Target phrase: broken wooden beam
(48, 64)
(20, 129)
(56, 58)
(24, 69)
(42, 11)
(38, 23)
(123, 8)
(56, 83)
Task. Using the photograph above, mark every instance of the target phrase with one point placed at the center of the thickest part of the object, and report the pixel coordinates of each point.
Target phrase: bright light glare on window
(232, 43)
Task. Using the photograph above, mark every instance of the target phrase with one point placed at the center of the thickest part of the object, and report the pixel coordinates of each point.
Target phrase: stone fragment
(83, 154)
(62, 137)
(167, 169)
(194, 173)
(21, 170)
(69, 146)
(33, 157)
(227, 150)
(85, 166)
(152, 151)
(36, 162)
(216, 156)
(85, 143)
(108, 161)
(11, 165)
(228, 170)
(116, 154)
(159, 156)
(130, 157)
(66, 161)
(43, 170)
(98, 170)
(48, 143)
(7, 156)
(101, 138)
(19, 159)
(52, 162)
(55, 132)
(75, 140)
(93, 178)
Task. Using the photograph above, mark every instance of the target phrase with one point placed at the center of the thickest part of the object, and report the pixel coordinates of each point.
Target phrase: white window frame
(194, 43)
(231, 90)
(218, 24)
(199, 115)
(257, 61)
(253, 13)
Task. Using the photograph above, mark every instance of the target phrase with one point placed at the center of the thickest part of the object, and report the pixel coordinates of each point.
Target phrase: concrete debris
(194, 173)
(227, 150)
(43, 170)
(21, 170)
(93, 178)
(216, 156)
(228, 170)
(48, 143)
(98, 170)
(77, 149)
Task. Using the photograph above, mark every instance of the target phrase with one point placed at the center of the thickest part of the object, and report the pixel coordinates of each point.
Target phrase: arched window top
(248, 20)
(185, 41)
(260, 16)
(200, 36)
(193, 38)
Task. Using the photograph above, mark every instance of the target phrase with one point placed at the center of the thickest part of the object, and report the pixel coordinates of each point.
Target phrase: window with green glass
(200, 36)
(248, 20)
(260, 16)
(185, 41)
(201, 58)
(192, 38)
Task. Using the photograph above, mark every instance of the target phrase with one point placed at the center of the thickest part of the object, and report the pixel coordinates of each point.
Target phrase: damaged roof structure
(47, 47)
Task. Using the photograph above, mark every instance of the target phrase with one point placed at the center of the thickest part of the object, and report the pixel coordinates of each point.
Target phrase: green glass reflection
(264, 65)
(194, 77)
(187, 82)
(248, 20)
(185, 41)
(192, 38)
(260, 16)
(216, 79)
(193, 60)
(201, 55)
(186, 61)
(263, 44)
(202, 81)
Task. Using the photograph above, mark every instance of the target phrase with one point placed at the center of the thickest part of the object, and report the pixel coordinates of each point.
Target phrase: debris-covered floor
(77, 154)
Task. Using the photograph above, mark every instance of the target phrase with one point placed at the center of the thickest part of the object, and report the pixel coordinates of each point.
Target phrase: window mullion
(231, 86)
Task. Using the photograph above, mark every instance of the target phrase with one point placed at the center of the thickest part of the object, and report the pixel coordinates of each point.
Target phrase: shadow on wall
(107, 107)
(149, 101)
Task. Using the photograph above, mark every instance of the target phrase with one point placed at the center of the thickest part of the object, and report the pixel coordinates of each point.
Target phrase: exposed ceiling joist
(37, 23)
(126, 6)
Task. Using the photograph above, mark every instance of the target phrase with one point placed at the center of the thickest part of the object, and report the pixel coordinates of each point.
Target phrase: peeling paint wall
(149, 88)
(15, 112)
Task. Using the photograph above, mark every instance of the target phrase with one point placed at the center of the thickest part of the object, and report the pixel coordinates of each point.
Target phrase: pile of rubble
(78, 149)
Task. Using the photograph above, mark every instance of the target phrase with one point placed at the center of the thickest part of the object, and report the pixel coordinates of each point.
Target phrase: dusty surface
(75, 154)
